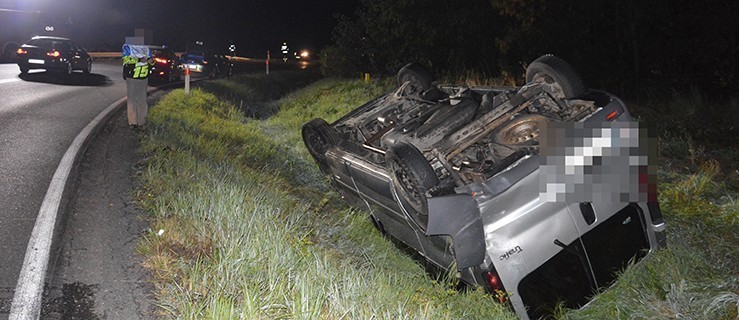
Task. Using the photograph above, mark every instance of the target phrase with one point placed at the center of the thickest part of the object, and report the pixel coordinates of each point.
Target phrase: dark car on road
(167, 66)
(224, 66)
(53, 54)
(200, 59)
(540, 194)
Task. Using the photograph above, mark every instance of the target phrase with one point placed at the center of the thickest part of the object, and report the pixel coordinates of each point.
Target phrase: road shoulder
(97, 273)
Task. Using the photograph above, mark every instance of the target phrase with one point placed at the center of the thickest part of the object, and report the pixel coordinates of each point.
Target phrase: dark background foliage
(629, 47)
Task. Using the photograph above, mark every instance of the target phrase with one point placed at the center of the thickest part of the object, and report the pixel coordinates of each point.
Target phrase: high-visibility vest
(135, 69)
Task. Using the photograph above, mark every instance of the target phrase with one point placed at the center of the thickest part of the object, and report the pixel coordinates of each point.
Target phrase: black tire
(88, 68)
(553, 71)
(318, 137)
(412, 176)
(418, 76)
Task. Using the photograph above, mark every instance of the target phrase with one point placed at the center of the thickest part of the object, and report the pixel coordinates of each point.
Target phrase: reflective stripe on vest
(130, 60)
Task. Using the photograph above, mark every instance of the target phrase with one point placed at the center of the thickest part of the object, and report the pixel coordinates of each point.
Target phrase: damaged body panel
(511, 186)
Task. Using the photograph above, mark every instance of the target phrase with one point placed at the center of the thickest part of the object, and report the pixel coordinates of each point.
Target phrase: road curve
(40, 115)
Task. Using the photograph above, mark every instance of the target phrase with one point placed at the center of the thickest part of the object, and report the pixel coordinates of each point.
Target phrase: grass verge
(245, 227)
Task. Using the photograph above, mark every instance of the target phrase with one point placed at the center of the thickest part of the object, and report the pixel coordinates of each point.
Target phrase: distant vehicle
(167, 66)
(17, 26)
(224, 66)
(53, 54)
(200, 59)
(455, 172)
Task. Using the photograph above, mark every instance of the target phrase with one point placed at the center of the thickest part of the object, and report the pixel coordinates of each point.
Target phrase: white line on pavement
(9, 80)
(26, 303)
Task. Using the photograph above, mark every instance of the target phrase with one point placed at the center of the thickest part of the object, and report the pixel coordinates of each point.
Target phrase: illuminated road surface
(40, 115)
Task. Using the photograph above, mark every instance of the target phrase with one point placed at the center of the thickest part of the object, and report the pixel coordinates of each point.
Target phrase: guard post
(137, 61)
(187, 80)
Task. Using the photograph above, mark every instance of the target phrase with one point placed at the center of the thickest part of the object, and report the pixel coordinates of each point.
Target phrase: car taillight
(160, 60)
(648, 184)
(54, 54)
(612, 115)
(21, 51)
(205, 62)
(492, 280)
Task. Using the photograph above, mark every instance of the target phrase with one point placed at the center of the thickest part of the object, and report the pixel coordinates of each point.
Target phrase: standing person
(137, 60)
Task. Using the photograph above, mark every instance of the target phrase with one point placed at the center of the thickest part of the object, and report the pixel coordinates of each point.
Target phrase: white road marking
(9, 80)
(26, 303)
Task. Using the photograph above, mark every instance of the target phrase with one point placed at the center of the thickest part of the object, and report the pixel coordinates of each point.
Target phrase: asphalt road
(40, 114)
(96, 273)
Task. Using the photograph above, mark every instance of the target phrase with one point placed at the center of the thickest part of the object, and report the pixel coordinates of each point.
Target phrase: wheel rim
(412, 81)
(317, 144)
(521, 130)
(550, 82)
(405, 182)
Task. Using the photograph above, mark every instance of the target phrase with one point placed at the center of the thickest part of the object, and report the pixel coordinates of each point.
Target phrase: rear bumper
(56, 65)
(162, 73)
(194, 67)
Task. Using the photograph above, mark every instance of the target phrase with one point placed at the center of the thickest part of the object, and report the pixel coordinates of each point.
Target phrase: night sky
(254, 26)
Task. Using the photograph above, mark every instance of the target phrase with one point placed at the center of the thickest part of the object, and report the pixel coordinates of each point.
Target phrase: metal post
(267, 62)
(187, 81)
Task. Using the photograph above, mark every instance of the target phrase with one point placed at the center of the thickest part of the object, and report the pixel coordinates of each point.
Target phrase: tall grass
(255, 94)
(236, 234)
(244, 227)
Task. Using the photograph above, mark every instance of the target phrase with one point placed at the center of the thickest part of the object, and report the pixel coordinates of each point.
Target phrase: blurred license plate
(36, 61)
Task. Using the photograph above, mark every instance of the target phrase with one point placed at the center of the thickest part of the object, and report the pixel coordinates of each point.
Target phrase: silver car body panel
(521, 231)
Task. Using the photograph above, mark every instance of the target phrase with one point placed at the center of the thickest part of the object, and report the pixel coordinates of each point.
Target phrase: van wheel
(554, 72)
(418, 76)
(412, 176)
(318, 137)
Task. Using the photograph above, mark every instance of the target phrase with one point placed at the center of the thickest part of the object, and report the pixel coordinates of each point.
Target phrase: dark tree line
(619, 45)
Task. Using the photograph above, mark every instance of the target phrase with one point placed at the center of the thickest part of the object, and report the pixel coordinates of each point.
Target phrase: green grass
(257, 95)
(252, 230)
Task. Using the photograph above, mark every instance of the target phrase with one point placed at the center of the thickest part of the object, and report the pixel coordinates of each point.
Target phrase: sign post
(284, 51)
(267, 62)
(187, 80)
